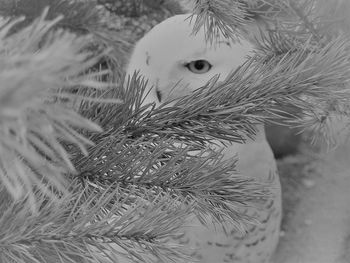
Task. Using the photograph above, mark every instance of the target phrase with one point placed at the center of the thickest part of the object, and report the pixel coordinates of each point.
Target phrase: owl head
(177, 62)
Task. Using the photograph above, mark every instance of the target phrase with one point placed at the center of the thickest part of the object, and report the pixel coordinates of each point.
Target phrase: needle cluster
(88, 173)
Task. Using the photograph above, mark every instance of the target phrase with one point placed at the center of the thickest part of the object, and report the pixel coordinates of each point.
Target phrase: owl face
(176, 62)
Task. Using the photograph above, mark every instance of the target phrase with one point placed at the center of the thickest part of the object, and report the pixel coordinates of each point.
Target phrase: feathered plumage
(177, 62)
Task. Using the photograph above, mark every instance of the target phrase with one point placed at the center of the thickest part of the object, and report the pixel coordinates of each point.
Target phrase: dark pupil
(199, 64)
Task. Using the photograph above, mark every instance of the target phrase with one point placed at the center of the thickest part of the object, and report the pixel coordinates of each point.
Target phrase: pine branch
(188, 121)
(150, 168)
(298, 30)
(230, 17)
(162, 166)
(80, 17)
(81, 229)
(303, 75)
(219, 18)
(303, 78)
(77, 16)
(252, 94)
(36, 64)
(310, 78)
(166, 156)
(300, 19)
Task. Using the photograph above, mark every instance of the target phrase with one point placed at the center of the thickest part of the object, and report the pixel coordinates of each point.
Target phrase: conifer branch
(93, 227)
(77, 16)
(219, 18)
(296, 39)
(162, 166)
(308, 78)
(36, 64)
(150, 168)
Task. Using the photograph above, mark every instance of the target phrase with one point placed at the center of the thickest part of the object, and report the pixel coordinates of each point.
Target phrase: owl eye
(199, 66)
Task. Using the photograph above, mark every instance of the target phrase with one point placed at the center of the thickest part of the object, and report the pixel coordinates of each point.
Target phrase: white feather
(161, 57)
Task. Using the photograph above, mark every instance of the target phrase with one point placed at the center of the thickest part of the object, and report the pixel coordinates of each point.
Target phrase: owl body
(211, 244)
(176, 62)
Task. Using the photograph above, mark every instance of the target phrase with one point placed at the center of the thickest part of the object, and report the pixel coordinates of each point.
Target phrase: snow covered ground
(316, 226)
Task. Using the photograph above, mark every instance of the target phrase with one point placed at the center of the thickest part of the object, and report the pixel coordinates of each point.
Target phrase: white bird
(171, 56)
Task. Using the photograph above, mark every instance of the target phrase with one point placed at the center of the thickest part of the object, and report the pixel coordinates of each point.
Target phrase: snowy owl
(176, 62)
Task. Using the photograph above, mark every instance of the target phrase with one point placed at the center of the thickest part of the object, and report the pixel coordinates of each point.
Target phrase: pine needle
(125, 192)
(36, 64)
(81, 229)
(219, 18)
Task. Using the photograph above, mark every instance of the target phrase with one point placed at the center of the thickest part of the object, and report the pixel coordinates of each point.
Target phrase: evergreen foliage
(90, 174)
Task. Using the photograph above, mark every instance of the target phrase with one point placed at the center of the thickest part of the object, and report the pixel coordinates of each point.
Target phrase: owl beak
(159, 95)
(154, 94)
